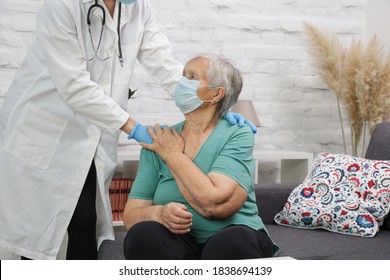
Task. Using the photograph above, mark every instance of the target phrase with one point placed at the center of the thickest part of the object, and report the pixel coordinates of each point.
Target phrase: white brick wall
(264, 39)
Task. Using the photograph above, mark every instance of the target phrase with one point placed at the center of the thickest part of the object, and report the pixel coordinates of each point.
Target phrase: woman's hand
(165, 141)
(176, 218)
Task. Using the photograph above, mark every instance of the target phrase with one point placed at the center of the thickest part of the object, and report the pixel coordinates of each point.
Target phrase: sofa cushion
(379, 145)
(379, 149)
(318, 244)
(297, 243)
(343, 194)
(270, 199)
(386, 223)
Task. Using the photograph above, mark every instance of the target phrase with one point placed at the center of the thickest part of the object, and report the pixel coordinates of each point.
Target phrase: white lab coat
(62, 112)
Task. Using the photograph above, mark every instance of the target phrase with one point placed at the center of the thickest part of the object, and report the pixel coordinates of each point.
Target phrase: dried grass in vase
(348, 96)
(359, 77)
(328, 54)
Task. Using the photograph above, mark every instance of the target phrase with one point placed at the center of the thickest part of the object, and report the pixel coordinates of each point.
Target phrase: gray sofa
(317, 244)
(306, 243)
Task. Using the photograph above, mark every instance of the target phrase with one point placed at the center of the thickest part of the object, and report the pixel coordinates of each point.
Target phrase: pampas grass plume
(327, 53)
(360, 78)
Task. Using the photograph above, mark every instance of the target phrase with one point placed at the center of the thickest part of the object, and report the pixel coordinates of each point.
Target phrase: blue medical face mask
(185, 95)
(127, 1)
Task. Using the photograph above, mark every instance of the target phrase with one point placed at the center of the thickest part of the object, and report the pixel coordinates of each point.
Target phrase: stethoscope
(96, 49)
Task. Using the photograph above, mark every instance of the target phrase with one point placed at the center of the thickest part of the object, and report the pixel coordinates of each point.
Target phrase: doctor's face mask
(186, 97)
(127, 1)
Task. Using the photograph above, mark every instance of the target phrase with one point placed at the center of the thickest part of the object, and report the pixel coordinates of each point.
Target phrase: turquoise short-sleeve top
(229, 151)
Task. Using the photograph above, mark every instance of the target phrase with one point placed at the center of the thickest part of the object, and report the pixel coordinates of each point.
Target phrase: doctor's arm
(59, 32)
(155, 55)
(59, 37)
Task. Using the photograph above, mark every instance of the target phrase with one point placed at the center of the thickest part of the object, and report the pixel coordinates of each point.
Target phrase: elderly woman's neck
(200, 123)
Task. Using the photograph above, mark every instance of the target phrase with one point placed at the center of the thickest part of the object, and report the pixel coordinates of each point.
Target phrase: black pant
(82, 244)
(153, 241)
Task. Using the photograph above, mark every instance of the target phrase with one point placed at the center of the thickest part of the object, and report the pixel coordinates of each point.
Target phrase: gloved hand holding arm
(140, 134)
(136, 131)
(234, 118)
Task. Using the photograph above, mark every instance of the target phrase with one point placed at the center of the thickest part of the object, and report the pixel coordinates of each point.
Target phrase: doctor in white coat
(62, 118)
(64, 110)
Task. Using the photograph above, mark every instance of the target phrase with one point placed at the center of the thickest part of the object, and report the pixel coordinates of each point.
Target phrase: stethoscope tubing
(98, 6)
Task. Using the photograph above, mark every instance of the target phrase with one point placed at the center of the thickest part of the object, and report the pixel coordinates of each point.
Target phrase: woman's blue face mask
(127, 1)
(185, 95)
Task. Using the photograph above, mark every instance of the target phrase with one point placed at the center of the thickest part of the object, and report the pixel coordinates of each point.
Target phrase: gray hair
(222, 73)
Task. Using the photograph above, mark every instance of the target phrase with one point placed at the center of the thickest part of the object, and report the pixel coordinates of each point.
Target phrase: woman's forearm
(194, 200)
(132, 215)
(174, 216)
(207, 198)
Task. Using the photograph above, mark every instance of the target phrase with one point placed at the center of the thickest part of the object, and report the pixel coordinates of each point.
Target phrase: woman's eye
(193, 77)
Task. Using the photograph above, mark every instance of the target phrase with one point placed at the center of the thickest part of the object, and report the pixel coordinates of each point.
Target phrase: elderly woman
(193, 197)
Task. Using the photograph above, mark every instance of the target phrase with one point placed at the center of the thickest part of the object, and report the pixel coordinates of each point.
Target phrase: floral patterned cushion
(342, 194)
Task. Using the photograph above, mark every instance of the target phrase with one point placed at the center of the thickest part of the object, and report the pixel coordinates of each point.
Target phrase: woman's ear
(220, 94)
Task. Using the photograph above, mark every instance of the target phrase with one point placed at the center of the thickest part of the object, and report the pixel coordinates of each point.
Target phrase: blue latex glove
(234, 118)
(140, 134)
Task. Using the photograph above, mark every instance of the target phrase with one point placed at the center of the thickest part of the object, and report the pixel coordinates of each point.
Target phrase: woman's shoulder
(225, 125)
(225, 133)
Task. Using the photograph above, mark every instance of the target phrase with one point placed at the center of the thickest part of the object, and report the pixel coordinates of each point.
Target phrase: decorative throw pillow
(342, 194)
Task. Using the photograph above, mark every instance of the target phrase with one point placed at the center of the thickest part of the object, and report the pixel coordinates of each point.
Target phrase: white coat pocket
(35, 136)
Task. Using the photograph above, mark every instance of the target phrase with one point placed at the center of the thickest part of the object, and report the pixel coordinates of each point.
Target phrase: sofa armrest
(271, 199)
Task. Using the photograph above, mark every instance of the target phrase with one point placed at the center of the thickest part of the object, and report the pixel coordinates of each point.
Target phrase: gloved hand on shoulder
(235, 118)
(140, 133)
